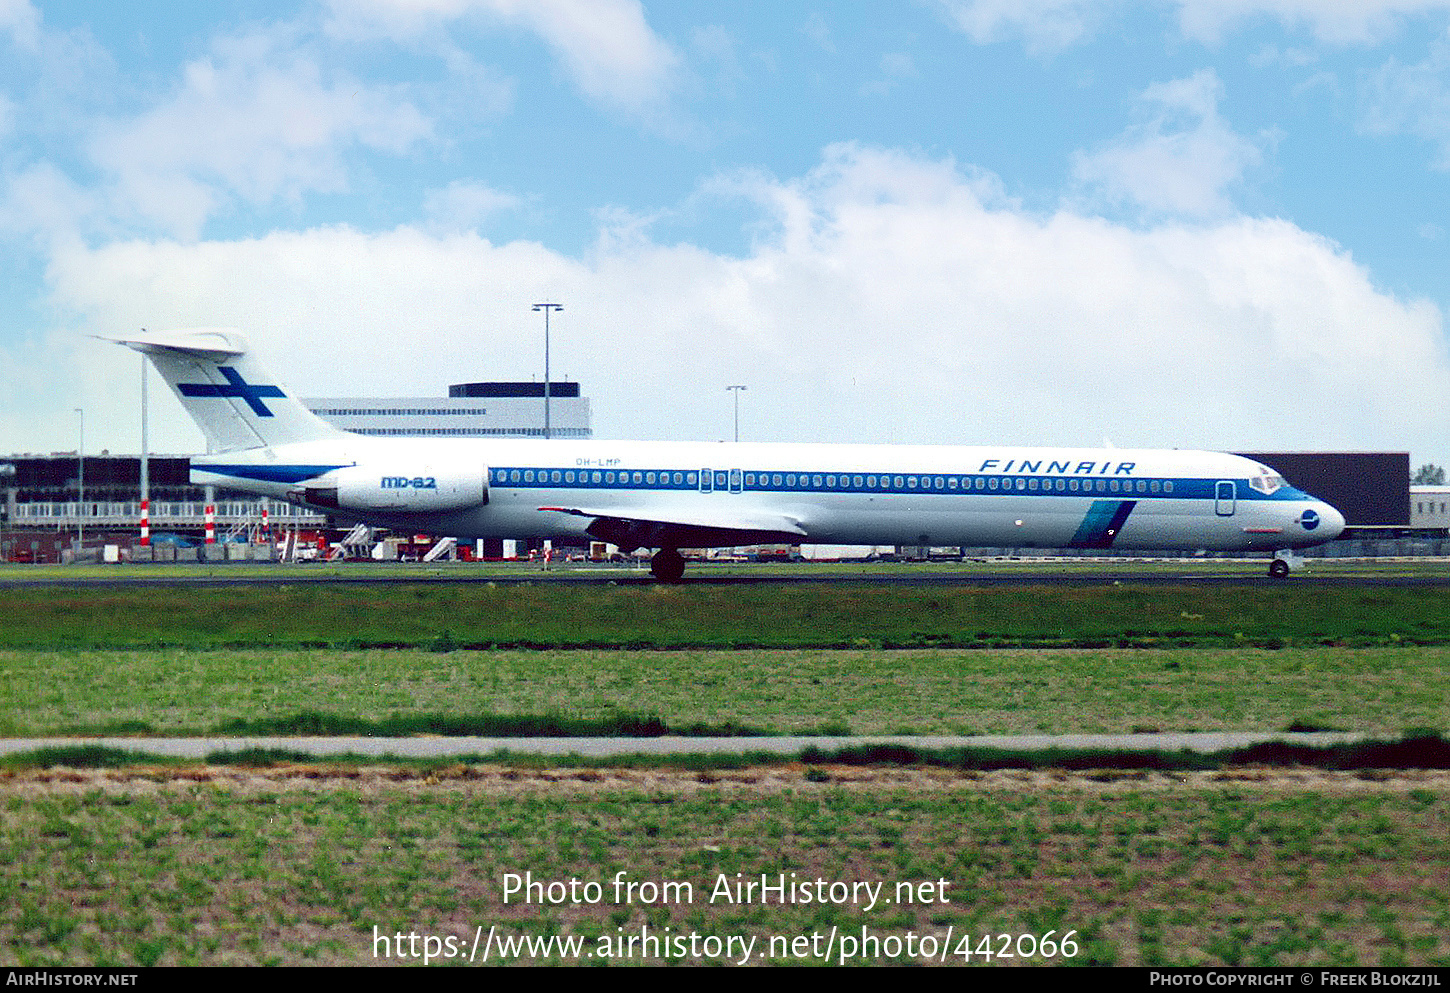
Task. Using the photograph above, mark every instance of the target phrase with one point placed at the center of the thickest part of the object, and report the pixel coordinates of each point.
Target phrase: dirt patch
(503, 779)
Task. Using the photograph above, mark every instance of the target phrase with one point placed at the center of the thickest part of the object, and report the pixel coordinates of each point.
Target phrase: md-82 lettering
(405, 483)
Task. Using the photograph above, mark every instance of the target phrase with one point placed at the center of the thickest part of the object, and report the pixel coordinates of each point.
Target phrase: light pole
(7, 478)
(81, 488)
(145, 465)
(546, 307)
(736, 390)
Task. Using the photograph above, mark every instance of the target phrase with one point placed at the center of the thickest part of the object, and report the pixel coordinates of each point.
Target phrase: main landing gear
(1279, 569)
(667, 565)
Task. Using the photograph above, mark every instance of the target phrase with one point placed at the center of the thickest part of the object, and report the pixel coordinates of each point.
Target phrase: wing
(685, 529)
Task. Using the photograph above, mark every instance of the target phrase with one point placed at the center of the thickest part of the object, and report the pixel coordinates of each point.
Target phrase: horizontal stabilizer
(220, 343)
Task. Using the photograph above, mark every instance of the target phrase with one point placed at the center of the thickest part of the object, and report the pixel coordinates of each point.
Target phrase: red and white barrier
(211, 524)
(145, 523)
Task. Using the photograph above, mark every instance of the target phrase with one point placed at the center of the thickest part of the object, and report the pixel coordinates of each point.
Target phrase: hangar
(1371, 489)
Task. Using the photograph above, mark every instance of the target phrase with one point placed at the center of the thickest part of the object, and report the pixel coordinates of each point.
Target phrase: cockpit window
(1266, 482)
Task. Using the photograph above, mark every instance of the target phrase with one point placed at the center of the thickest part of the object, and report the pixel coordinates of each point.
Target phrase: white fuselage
(683, 493)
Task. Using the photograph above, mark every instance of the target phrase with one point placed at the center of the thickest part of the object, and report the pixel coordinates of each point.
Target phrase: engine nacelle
(404, 488)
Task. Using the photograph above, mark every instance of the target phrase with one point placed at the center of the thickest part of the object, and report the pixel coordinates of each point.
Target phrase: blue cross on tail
(236, 387)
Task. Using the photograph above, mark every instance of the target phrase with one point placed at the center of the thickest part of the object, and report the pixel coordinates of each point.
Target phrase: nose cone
(1320, 522)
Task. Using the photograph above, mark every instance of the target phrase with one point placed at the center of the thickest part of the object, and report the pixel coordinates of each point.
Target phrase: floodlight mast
(546, 307)
(736, 390)
(81, 488)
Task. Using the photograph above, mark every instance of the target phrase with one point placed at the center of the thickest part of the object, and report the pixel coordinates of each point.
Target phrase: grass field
(191, 864)
(769, 615)
(917, 691)
(299, 865)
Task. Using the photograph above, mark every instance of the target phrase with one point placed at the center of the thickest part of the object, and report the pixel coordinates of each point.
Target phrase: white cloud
(464, 205)
(897, 300)
(607, 46)
(42, 203)
(21, 21)
(1046, 25)
(894, 66)
(1180, 160)
(1411, 99)
(818, 31)
(1051, 25)
(1332, 21)
(255, 120)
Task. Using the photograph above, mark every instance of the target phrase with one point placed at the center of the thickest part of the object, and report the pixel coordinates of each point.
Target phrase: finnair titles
(672, 495)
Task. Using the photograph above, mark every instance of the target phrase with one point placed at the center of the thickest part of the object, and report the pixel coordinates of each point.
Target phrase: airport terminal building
(471, 410)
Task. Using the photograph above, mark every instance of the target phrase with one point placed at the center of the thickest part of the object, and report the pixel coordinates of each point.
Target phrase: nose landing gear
(1284, 562)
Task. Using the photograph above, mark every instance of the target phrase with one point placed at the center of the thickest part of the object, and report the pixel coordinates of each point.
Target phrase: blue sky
(1193, 223)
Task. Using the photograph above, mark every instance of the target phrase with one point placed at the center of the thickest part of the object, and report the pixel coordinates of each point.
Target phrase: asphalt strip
(439, 747)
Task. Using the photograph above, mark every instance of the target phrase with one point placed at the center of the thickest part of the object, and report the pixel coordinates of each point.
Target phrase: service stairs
(443, 548)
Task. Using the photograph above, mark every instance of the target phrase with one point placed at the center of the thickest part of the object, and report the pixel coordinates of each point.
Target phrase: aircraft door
(737, 481)
(1223, 498)
(707, 480)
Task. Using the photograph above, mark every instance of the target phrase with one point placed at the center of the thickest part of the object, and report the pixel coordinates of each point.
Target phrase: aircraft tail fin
(236, 403)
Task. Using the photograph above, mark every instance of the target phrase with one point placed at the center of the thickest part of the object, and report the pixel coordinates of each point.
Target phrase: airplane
(672, 495)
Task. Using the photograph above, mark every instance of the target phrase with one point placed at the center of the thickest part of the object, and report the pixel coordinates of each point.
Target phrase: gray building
(471, 410)
(1430, 506)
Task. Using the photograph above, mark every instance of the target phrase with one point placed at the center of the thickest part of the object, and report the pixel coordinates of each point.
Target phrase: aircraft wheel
(667, 565)
(1279, 569)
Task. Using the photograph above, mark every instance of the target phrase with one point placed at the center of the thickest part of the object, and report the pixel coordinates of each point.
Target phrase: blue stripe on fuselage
(268, 473)
(1102, 524)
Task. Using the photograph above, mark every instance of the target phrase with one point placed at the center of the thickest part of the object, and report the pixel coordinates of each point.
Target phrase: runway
(1433, 574)
(593, 748)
